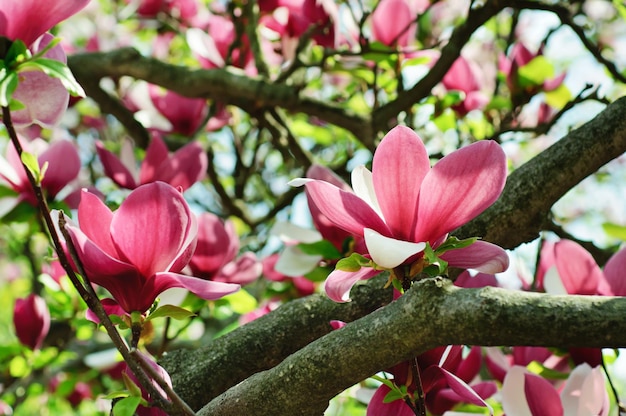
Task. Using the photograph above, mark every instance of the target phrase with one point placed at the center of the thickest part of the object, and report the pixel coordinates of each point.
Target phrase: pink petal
(481, 256)
(465, 392)
(31, 319)
(514, 401)
(461, 77)
(458, 188)
(546, 261)
(246, 269)
(391, 21)
(111, 307)
(344, 209)
(468, 281)
(470, 366)
(185, 114)
(447, 398)
(206, 289)
(115, 169)
(339, 282)
(327, 229)
(29, 19)
(578, 270)
(95, 219)
(585, 392)
(150, 226)
(217, 245)
(614, 273)
(400, 164)
(156, 155)
(185, 167)
(543, 399)
(64, 165)
(377, 407)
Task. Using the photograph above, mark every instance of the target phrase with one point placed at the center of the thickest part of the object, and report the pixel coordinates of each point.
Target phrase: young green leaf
(322, 248)
(30, 161)
(55, 69)
(126, 406)
(171, 311)
(8, 84)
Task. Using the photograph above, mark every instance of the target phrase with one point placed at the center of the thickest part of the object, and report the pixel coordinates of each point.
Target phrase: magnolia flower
(462, 77)
(403, 203)
(393, 22)
(445, 377)
(138, 251)
(63, 167)
(45, 98)
(215, 257)
(31, 318)
(526, 394)
(182, 169)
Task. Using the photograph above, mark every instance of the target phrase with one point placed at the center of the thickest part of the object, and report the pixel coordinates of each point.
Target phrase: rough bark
(432, 313)
(202, 374)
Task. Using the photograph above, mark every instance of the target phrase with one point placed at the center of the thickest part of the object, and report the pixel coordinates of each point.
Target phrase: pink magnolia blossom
(186, 115)
(519, 56)
(404, 203)
(212, 46)
(215, 257)
(462, 77)
(566, 267)
(138, 251)
(584, 394)
(445, 380)
(63, 167)
(393, 22)
(31, 318)
(182, 169)
(303, 286)
(499, 364)
(291, 19)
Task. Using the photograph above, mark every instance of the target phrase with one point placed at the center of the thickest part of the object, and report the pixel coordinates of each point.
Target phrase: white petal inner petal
(293, 262)
(298, 182)
(552, 282)
(363, 186)
(389, 252)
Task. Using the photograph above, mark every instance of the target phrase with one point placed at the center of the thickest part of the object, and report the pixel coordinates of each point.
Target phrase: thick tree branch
(200, 375)
(221, 85)
(430, 314)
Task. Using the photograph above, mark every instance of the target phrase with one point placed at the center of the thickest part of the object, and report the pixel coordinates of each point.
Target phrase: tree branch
(200, 375)
(221, 85)
(432, 313)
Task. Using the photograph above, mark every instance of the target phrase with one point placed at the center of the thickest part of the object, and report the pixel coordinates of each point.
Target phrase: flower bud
(31, 318)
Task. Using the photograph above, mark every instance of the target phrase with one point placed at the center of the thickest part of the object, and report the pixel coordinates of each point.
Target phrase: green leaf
(55, 69)
(396, 393)
(30, 161)
(19, 367)
(353, 263)
(8, 84)
(453, 243)
(322, 248)
(558, 97)
(16, 53)
(171, 311)
(535, 72)
(132, 387)
(241, 302)
(614, 230)
(541, 370)
(126, 406)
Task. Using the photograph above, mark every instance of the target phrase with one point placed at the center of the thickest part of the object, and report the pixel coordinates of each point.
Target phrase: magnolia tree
(310, 207)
